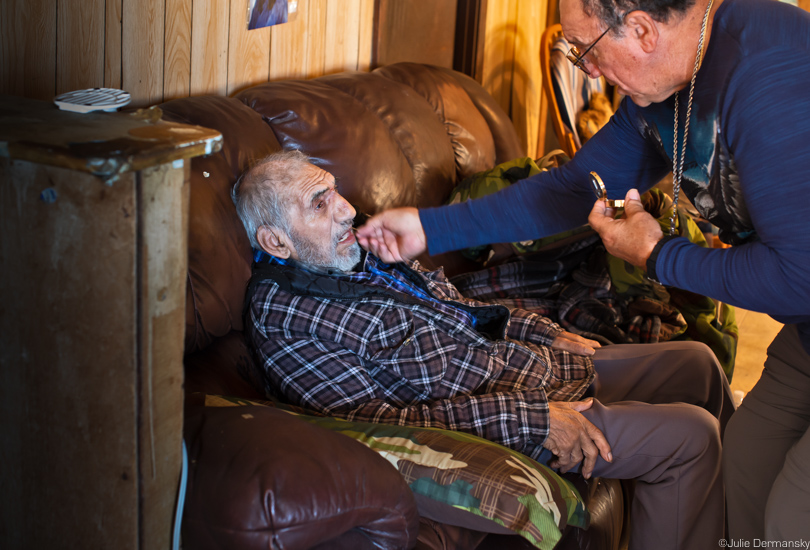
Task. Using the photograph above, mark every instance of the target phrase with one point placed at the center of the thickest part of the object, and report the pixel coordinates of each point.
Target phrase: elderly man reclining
(337, 330)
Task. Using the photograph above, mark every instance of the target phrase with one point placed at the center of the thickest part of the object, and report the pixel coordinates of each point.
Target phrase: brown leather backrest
(219, 254)
(404, 134)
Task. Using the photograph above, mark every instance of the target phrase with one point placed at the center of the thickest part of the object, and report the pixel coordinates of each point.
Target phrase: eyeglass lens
(577, 58)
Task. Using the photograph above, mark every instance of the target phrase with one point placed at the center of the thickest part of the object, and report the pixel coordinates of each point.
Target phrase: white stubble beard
(330, 258)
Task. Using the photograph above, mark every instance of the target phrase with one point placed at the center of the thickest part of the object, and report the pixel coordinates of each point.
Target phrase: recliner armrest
(261, 478)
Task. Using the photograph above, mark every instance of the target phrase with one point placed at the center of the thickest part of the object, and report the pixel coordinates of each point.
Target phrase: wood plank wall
(416, 30)
(163, 49)
(511, 65)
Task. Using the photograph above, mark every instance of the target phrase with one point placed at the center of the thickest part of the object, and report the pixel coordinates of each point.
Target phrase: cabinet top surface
(101, 143)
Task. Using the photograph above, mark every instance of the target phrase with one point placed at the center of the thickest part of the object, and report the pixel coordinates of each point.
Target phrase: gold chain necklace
(676, 162)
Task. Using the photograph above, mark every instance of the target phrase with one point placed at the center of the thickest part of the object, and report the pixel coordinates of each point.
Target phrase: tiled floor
(757, 330)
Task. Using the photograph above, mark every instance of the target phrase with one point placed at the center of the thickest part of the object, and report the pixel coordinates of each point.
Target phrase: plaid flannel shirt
(361, 346)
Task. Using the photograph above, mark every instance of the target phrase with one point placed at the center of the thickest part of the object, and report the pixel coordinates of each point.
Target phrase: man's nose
(344, 210)
(593, 68)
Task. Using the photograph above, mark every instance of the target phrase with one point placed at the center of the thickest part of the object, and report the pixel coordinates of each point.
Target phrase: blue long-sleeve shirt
(747, 170)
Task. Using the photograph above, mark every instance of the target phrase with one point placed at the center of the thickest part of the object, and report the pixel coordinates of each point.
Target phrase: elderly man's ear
(273, 241)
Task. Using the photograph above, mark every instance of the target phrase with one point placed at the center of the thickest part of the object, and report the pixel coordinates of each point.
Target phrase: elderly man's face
(321, 222)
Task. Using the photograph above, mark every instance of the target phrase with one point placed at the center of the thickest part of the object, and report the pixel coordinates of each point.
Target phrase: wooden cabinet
(93, 245)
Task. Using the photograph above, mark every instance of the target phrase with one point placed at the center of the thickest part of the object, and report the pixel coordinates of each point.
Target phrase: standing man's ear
(273, 242)
(643, 29)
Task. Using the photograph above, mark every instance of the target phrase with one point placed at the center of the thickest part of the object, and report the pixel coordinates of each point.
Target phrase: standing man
(719, 94)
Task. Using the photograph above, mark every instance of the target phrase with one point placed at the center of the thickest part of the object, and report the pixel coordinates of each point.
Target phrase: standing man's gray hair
(612, 12)
(259, 194)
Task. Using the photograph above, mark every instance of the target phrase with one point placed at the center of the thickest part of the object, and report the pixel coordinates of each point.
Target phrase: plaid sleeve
(322, 376)
(526, 326)
(518, 420)
(314, 374)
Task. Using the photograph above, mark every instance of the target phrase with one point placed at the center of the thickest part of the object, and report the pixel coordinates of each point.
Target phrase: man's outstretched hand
(394, 235)
(631, 237)
(574, 343)
(573, 438)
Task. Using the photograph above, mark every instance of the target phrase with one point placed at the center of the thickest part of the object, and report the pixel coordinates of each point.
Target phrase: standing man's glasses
(577, 58)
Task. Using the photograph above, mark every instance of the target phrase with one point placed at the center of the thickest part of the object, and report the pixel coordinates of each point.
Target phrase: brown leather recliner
(404, 134)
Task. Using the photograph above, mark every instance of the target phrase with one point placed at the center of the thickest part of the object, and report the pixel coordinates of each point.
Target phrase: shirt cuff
(546, 330)
(653, 259)
(532, 422)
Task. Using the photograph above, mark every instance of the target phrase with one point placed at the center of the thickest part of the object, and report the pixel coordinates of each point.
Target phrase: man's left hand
(575, 343)
(631, 237)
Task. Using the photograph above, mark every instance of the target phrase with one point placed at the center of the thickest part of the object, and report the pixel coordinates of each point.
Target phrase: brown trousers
(662, 408)
(766, 457)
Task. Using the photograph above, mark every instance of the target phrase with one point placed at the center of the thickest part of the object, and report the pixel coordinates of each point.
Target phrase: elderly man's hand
(573, 438)
(575, 343)
(394, 235)
(633, 236)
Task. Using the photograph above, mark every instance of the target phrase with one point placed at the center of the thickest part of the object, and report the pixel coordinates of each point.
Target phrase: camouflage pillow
(464, 480)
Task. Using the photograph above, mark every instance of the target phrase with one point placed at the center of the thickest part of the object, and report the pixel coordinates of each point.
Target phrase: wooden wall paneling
(209, 47)
(177, 50)
(11, 62)
(468, 50)
(80, 44)
(39, 40)
(422, 31)
(499, 49)
(248, 51)
(366, 31)
(28, 48)
(804, 4)
(142, 50)
(315, 32)
(288, 46)
(112, 43)
(546, 137)
(342, 35)
(527, 78)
